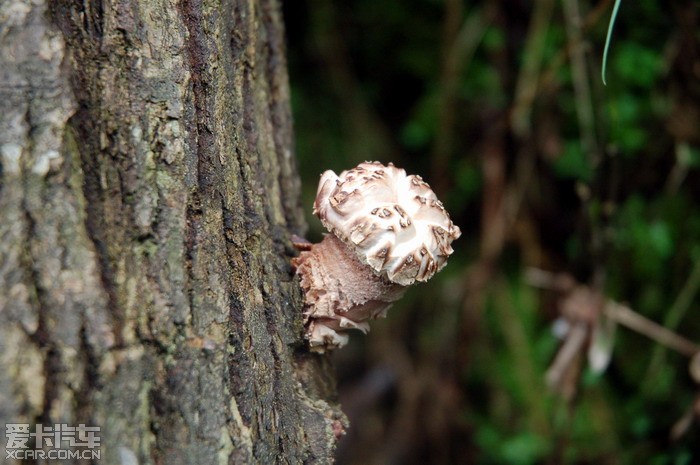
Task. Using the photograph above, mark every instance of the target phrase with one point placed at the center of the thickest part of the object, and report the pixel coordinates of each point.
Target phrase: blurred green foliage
(601, 183)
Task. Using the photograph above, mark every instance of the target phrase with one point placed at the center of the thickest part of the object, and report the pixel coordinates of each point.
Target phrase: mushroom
(388, 230)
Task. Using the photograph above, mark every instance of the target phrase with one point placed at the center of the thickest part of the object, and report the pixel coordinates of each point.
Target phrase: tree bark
(148, 191)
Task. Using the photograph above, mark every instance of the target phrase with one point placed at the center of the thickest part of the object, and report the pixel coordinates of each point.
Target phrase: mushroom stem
(389, 230)
(340, 293)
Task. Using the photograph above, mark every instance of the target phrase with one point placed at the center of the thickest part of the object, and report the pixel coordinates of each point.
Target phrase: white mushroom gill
(388, 230)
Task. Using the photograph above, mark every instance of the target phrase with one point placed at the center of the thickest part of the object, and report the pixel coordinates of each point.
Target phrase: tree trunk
(148, 192)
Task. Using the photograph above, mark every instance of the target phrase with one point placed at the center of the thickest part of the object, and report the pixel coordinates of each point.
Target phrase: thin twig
(684, 300)
(582, 88)
(680, 168)
(572, 346)
(633, 320)
(675, 314)
(557, 61)
(625, 315)
(529, 77)
(537, 277)
(457, 58)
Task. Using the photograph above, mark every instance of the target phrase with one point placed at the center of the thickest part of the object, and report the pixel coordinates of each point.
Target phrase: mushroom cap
(393, 222)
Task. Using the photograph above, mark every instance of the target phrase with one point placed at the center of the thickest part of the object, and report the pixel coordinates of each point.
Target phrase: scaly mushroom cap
(393, 222)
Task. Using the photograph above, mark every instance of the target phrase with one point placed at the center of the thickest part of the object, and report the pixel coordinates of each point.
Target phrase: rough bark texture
(147, 195)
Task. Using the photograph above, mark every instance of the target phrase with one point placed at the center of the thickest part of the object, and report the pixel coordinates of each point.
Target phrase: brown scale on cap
(388, 230)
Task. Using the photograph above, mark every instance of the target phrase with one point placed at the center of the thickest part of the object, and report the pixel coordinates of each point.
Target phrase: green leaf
(613, 17)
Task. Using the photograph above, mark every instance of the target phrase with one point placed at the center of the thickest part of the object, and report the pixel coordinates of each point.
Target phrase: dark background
(500, 106)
